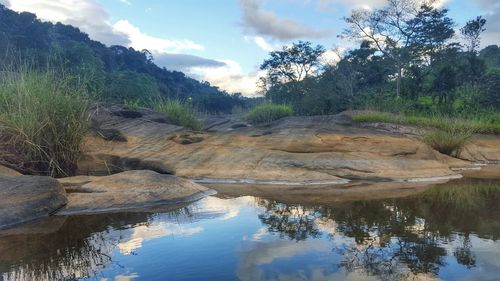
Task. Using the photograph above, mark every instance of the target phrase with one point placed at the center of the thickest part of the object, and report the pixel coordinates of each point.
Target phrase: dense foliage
(408, 61)
(114, 73)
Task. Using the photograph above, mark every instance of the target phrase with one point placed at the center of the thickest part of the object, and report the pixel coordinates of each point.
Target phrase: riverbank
(136, 159)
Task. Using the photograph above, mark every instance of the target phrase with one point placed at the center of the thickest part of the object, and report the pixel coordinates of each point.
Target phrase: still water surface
(448, 232)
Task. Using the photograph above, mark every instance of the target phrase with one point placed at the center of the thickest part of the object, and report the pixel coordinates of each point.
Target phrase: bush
(178, 113)
(42, 122)
(268, 112)
(449, 141)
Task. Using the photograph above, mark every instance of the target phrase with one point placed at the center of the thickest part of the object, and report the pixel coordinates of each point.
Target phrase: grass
(178, 113)
(268, 112)
(449, 141)
(134, 105)
(42, 122)
(485, 124)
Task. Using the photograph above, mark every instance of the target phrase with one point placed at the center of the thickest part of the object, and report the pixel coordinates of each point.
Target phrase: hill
(117, 73)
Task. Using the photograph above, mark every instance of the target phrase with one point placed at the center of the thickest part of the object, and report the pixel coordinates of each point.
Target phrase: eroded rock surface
(128, 190)
(293, 149)
(26, 198)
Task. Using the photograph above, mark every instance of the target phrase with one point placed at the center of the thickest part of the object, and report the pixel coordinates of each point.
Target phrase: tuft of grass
(134, 105)
(486, 124)
(268, 112)
(42, 122)
(178, 113)
(449, 141)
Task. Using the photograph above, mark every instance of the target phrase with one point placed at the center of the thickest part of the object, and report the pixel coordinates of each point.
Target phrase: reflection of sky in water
(232, 239)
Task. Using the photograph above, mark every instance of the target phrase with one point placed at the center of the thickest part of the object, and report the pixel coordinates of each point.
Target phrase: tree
(471, 32)
(292, 64)
(404, 31)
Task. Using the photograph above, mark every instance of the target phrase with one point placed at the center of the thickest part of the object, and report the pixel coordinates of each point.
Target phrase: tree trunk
(398, 83)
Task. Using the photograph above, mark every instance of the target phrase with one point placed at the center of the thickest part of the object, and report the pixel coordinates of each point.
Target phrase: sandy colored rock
(128, 190)
(4, 171)
(293, 149)
(483, 148)
(26, 198)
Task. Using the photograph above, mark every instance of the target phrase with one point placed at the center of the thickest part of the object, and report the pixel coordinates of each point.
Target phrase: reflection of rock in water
(72, 247)
(394, 238)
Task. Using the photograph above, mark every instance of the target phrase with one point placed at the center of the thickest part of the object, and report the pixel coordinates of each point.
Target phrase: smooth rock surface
(4, 171)
(128, 190)
(293, 149)
(26, 198)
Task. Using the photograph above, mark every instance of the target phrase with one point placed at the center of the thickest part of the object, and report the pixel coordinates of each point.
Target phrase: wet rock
(26, 198)
(128, 190)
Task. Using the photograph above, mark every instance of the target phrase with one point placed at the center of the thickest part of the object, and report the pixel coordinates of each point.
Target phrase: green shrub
(42, 122)
(268, 112)
(178, 113)
(449, 141)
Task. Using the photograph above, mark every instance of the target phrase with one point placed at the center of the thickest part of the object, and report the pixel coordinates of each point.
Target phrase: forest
(409, 60)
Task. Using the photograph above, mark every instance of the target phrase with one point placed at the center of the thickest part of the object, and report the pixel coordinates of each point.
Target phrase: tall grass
(178, 113)
(42, 122)
(448, 141)
(268, 112)
(487, 123)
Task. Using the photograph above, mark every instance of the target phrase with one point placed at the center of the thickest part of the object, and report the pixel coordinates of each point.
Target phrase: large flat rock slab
(318, 149)
(128, 190)
(26, 198)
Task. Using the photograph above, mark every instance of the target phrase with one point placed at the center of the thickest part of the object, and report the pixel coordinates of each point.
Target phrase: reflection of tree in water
(396, 235)
(78, 247)
(295, 222)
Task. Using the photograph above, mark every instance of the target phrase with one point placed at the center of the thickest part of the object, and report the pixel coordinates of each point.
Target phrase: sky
(224, 41)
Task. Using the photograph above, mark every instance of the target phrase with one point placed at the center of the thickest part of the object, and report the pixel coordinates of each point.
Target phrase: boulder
(26, 198)
(128, 190)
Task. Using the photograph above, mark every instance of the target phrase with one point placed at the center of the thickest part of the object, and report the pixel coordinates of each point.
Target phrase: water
(447, 232)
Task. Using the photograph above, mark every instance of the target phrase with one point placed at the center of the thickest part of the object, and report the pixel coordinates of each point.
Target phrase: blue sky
(224, 41)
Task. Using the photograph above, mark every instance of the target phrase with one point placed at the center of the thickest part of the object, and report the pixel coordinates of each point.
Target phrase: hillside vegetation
(114, 73)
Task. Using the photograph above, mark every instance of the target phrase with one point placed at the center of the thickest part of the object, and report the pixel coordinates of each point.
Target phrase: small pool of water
(447, 232)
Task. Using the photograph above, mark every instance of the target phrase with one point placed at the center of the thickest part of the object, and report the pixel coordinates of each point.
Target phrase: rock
(4, 171)
(187, 138)
(26, 198)
(291, 150)
(128, 190)
(482, 148)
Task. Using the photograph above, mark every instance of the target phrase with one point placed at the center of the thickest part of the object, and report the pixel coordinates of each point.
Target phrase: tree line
(408, 60)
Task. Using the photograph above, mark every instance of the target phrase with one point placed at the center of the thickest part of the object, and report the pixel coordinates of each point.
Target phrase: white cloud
(156, 230)
(264, 23)
(261, 42)
(230, 77)
(140, 40)
(87, 15)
